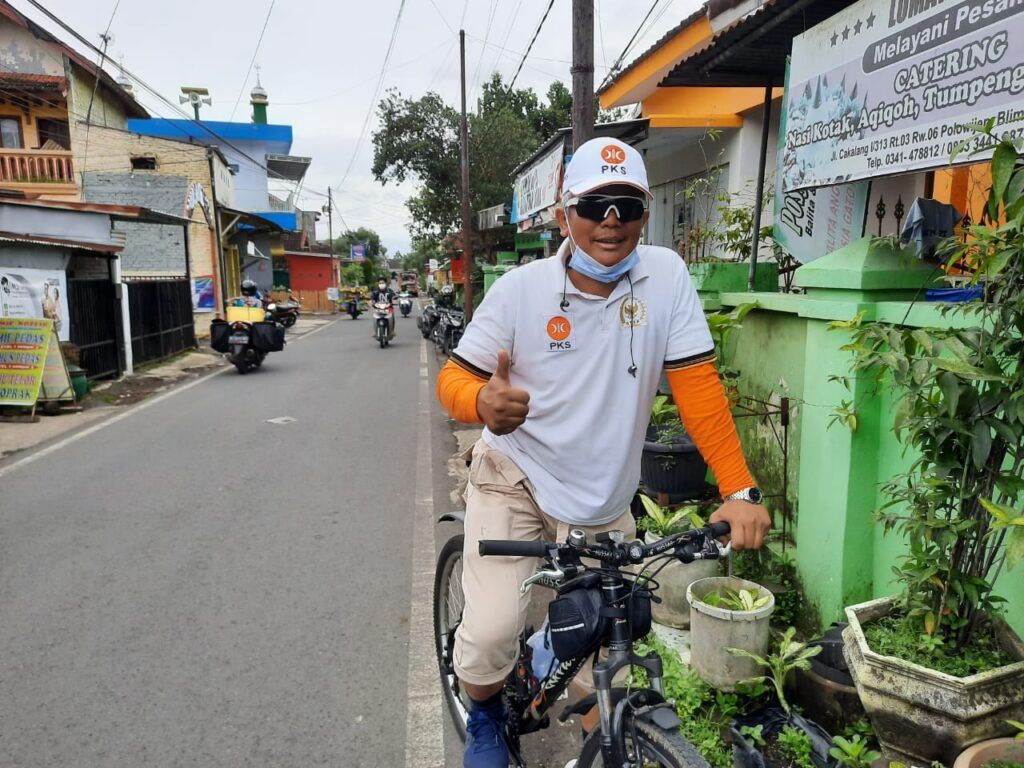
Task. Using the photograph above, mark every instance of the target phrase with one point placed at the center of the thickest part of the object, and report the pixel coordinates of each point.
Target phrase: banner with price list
(890, 86)
(32, 367)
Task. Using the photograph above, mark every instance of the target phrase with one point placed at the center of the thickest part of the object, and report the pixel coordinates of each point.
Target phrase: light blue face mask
(583, 263)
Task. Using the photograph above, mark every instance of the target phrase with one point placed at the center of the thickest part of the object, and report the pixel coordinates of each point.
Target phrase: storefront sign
(458, 273)
(358, 252)
(35, 293)
(810, 223)
(24, 343)
(536, 188)
(890, 86)
(197, 197)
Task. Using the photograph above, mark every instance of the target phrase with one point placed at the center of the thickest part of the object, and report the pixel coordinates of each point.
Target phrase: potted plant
(671, 463)
(674, 577)
(727, 612)
(995, 753)
(935, 667)
(775, 736)
(826, 686)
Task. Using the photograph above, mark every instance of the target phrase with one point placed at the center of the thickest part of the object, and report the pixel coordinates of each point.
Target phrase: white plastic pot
(673, 582)
(714, 629)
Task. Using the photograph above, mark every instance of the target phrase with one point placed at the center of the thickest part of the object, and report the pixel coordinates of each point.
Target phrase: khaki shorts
(500, 504)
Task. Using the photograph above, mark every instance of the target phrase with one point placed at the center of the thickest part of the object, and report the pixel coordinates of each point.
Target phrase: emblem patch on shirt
(632, 313)
(559, 331)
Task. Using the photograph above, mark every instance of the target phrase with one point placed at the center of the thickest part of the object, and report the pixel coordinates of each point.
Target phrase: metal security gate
(94, 326)
(161, 319)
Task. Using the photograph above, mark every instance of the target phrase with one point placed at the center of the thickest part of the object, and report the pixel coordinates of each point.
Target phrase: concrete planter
(714, 629)
(673, 581)
(921, 715)
(984, 752)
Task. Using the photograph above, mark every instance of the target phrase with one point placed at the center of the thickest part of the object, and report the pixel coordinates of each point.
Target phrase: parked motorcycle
(247, 341)
(428, 319)
(382, 314)
(449, 329)
(285, 314)
(405, 303)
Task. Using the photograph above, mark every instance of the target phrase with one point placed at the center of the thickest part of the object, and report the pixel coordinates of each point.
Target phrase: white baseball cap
(600, 162)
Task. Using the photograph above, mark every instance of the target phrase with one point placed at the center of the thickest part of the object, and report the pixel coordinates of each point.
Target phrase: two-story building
(257, 154)
(47, 92)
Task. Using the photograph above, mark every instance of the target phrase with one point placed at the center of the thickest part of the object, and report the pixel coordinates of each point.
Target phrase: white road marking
(424, 731)
(51, 449)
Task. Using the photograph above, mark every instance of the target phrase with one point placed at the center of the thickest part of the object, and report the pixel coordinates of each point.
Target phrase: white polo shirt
(580, 446)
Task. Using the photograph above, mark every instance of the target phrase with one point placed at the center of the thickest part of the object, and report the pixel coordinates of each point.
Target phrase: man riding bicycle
(561, 364)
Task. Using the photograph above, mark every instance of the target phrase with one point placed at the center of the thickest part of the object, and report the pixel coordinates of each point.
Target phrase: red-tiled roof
(29, 81)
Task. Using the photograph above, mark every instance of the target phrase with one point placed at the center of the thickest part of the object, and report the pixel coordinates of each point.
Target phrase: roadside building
(47, 90)
(177, 177)
(60, 259)
(257, 154)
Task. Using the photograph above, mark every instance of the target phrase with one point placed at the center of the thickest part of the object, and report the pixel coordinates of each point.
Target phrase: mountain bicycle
(637, 725)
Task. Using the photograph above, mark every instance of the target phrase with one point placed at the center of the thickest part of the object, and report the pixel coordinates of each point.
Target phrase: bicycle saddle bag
(576, 622)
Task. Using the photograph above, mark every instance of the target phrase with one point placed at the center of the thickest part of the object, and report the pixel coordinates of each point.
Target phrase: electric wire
(259, 42)
(442, 17)
(625, 51)
(96, 82)
(483, 51)
(376, 95)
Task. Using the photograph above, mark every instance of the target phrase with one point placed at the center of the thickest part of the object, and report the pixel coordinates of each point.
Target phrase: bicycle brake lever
(555, 575)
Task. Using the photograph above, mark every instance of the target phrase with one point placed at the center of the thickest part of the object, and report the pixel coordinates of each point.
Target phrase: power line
(259, 42)
(487, 36)
(96, 83)
(174, 107)
(625, 51)
(442, 17)
(376, 94)
(529, 48)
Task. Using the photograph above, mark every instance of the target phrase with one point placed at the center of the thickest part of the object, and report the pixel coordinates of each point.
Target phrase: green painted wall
(769, 352)
(786, 346)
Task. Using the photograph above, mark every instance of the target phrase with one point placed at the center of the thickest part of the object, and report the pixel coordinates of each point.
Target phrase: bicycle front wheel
(655, 747)
(448, 604)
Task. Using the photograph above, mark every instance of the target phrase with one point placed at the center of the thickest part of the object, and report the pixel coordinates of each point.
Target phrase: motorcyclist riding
(383, 293)
(251, 294)
(447, 296)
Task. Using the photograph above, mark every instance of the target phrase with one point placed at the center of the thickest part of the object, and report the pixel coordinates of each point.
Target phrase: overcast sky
(320, 62)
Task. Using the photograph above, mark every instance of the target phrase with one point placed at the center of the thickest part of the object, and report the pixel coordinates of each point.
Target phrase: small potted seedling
(775, 736)
(674, 578)
(727, 612)
(670, 462)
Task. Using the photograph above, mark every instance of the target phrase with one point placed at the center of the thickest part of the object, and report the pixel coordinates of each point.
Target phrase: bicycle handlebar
(503, 548)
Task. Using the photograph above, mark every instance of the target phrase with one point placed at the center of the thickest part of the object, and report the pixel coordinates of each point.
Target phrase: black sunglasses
(597, 207)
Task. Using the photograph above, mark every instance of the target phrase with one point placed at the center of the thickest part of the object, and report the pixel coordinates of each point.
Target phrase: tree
(375, 251)
(419, 139)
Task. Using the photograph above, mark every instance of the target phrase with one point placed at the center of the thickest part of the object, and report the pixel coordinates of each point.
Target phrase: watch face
(755, 495)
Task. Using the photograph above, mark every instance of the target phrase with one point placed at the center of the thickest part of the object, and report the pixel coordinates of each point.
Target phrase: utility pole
(467, 248)
(330, 237)
(582, 72)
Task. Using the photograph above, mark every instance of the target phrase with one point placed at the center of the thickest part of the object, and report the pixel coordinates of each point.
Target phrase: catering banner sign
(536, 188)
(891, 86)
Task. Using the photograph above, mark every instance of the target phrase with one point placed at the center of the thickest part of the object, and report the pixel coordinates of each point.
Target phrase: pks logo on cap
(613, 155)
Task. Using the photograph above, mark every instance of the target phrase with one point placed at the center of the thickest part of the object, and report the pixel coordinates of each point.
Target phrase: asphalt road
(192, 585)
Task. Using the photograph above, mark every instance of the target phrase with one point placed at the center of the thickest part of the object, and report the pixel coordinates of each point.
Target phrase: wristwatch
(752, 495)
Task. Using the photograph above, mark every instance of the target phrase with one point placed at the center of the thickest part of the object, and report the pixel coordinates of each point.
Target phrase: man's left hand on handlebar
(750, 523)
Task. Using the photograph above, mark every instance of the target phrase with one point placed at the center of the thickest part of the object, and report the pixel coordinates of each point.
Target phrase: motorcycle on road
(246, 337)
(405, 303)
(383, 313)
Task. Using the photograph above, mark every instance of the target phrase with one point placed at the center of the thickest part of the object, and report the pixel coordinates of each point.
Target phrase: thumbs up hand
(502, 407)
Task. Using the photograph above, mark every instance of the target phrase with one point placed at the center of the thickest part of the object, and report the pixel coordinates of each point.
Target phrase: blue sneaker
(485, 738)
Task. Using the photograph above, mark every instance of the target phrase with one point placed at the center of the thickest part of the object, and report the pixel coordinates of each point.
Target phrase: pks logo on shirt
(614, 157)
(559, 329)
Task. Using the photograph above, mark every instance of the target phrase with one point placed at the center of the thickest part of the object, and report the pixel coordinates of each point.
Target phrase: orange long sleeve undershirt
(697, 391)
(457, 390)
(704, 410)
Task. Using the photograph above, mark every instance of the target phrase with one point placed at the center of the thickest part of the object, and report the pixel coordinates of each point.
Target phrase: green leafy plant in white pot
(728, 613)
(935, 667)
(675, 577)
